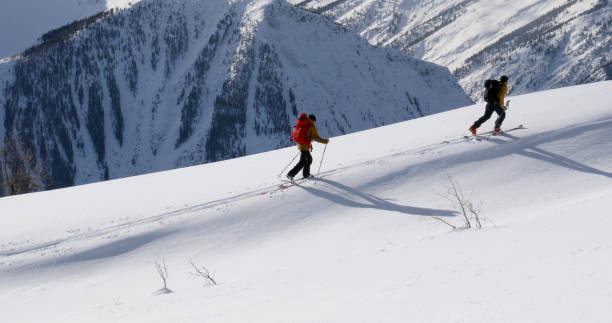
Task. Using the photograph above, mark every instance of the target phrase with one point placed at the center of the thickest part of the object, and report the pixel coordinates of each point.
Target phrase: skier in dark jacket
(496, 105)
(305, 149)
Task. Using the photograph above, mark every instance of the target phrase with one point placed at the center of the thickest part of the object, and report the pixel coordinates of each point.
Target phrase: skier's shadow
(543, 155)
(351, 197)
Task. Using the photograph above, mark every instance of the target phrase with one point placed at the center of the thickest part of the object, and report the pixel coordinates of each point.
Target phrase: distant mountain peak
(170, 84)
(541, 45)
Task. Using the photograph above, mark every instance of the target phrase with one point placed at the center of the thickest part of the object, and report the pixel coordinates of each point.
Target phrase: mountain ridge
(540, 45)
(164, 85)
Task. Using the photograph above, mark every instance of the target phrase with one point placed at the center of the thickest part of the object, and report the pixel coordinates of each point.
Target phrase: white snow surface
(22, 22)
(358, 245)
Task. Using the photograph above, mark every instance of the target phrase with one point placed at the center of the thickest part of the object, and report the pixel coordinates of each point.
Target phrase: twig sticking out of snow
(202, 272)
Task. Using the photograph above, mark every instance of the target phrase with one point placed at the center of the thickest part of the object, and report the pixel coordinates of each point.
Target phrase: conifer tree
(21, 172)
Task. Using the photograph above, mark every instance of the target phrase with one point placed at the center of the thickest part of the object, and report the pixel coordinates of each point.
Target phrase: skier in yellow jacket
(494, 104)
(304, 136)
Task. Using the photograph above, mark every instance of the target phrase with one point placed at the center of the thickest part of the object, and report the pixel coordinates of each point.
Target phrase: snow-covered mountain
(166, 84)
(23, 22)
(359, 245)
(540, 44)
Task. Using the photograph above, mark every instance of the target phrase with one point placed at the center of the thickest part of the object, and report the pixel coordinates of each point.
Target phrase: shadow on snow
(355, 198)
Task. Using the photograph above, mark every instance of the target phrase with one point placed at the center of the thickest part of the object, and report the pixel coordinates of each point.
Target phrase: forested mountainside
(541, 44)
(166, 84)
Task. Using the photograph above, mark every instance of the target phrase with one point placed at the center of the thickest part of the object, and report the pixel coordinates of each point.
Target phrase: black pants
(304, 163)
(488, 113)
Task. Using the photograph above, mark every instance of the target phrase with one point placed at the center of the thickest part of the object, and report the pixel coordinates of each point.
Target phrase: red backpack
(301, 129)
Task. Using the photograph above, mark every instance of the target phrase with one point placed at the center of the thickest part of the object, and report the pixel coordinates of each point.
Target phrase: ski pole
(321, 163)
(284, 169)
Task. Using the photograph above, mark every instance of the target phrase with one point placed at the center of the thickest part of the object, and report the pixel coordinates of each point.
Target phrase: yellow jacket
(501, 94)
(313, 135)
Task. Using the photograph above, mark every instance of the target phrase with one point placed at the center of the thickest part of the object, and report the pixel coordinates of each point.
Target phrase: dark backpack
(491, 90)
(300, 130)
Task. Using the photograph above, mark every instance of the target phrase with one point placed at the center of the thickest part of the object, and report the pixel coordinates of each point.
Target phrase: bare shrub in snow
(202, 272)
(162, 270)
(471, 214)
(444, 221)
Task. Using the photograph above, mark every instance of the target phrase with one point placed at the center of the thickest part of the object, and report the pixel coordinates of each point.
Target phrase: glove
(326, 141)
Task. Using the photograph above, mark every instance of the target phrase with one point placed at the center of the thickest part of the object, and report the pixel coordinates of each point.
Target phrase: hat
(312, 117)
(503, 79)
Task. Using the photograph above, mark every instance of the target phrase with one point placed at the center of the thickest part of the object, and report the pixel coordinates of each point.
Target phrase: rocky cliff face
(167, 84)
(540, 44)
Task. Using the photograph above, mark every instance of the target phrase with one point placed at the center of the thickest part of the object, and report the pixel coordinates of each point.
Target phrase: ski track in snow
(122, 230)
(507, 144)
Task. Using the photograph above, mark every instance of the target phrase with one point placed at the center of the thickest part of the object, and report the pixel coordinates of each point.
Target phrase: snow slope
(22, 22)
(356, 246)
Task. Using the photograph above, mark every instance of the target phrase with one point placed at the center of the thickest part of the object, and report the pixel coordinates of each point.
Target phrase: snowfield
(358, 245)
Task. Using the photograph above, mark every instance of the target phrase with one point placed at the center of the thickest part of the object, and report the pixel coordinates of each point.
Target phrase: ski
(290, 183)
(285, 183)
(488, 134)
